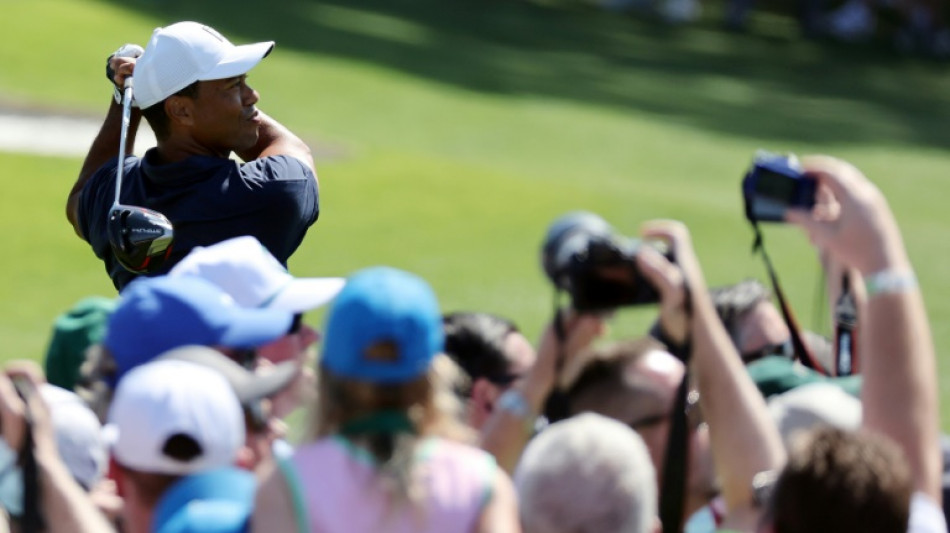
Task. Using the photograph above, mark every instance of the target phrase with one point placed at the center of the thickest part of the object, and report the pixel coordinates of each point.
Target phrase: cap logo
(213, 33)
(382, 351)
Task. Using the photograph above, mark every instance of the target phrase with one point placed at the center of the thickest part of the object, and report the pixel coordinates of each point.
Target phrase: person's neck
(175, 150)
(693, 502)
(136, 518)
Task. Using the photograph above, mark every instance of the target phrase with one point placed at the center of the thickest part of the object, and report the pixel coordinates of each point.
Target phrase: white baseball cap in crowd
(247, 272)
(186, 52)
(248, 385)
(78, 435)
(174, 417)
(815, 403)
(78, 441)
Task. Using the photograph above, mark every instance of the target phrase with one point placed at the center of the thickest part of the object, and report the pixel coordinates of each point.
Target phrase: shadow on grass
(747, 85)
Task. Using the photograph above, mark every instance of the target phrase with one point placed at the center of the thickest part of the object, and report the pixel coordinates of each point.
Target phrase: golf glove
(126, 50)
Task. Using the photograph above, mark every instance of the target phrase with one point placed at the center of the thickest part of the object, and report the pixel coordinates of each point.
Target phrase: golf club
(141, 238)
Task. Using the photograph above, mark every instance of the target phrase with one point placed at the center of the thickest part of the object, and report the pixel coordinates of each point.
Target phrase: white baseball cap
(186, 52)
(247, 272)
(806, 406)
(78, 435)
(174, 417)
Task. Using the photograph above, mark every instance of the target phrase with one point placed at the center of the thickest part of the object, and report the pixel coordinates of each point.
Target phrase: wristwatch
(763, 484)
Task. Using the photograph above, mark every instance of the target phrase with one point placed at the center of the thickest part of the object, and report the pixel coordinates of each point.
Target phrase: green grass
(455, 131)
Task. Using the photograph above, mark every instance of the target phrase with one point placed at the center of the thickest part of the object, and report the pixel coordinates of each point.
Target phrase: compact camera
(774, 184)
(597, 267)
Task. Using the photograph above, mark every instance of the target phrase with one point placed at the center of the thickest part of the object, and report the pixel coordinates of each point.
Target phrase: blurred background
(449, 133)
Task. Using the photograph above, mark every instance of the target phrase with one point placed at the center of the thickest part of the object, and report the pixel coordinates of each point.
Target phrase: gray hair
(585, 474)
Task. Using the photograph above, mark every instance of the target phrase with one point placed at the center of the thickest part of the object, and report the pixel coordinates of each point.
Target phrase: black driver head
(141, 239)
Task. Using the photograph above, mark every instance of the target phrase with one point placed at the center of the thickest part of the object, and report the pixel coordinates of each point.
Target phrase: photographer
(744, 440)
(512, 422)
(852, 222)
(63, 505)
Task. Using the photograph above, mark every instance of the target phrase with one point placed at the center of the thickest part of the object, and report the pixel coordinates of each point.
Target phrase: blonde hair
(427, 402)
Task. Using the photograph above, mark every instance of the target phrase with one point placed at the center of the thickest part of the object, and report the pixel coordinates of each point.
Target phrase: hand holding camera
(851, 220)
(773, 185)
(585, 257)
(22, 410)
(672, 280)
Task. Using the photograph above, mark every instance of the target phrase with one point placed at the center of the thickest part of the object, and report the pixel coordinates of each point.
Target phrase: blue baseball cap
(382, 307)
(215, 501)
(155, 315)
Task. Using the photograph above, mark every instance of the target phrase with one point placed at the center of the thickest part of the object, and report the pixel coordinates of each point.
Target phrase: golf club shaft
(123, 134)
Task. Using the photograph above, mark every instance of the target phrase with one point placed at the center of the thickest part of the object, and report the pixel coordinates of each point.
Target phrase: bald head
(627, 380)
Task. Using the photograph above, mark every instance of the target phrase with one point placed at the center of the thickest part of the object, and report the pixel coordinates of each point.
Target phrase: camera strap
(557, 405)
(673, 491)
(846, 323)
(802, 351)
(32, 519)
(675, 463)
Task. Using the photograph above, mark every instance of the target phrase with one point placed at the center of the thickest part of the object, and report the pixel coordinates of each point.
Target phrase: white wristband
(890, 282)
(513, 402)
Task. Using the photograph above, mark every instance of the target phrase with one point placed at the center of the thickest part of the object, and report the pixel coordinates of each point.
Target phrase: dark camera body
(597, 268)
(774, 184)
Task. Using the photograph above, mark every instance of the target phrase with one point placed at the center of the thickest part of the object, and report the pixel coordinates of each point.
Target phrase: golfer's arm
(744, 439)
(104, 147)
(275, 139)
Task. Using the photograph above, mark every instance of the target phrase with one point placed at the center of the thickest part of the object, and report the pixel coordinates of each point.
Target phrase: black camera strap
(32, 518)
(675, 463)
(557, 405)
(673, 491)
(802, 351)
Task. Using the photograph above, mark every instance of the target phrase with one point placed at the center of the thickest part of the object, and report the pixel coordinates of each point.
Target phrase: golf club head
(141, 239)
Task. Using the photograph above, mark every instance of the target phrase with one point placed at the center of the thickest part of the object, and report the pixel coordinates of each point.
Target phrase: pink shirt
(336, 489)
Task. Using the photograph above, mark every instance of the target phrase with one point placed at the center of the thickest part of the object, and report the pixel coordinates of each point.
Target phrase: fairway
(449, 134)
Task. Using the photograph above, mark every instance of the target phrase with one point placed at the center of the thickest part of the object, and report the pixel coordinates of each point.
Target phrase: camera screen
(775, 185)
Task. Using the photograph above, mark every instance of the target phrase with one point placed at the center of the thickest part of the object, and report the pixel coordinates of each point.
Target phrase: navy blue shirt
(207, 199)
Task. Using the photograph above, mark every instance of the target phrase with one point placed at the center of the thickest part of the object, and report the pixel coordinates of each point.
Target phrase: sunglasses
(784, 349)
(296, 324)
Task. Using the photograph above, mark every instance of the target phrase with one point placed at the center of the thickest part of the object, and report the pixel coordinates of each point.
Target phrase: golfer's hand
(122, 62)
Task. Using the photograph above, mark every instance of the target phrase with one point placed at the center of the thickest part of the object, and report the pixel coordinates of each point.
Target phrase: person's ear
(657, 525)
(180, 110)
(484, 394)
(245, 458)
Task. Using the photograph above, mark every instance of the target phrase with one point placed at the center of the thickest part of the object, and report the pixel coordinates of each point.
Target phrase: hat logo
(213, 33)
(382, 351)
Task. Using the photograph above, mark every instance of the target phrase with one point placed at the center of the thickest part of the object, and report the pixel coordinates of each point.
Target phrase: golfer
(191, 86)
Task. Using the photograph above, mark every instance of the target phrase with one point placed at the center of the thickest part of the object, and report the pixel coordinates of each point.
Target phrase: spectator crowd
(915, 27)
(165, 410)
